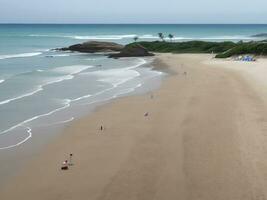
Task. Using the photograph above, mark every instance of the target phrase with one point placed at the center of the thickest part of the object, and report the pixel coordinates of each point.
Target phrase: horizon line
(47, 23)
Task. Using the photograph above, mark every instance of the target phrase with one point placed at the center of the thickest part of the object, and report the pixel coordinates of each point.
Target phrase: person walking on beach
(70, 161)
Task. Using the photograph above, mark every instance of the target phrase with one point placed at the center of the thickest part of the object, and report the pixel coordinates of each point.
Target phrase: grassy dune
(222, 49)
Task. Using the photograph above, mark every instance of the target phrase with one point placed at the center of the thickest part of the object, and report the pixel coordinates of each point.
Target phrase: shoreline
(17, 157)
(196, 142)
(58, 132)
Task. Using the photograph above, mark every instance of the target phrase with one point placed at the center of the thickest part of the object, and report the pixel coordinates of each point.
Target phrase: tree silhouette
(135, 38)
(161, 36)
(170, 37)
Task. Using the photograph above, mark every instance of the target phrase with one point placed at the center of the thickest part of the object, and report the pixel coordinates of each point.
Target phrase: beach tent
(248, 58)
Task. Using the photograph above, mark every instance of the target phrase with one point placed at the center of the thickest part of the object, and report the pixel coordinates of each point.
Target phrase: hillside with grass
(221, 49)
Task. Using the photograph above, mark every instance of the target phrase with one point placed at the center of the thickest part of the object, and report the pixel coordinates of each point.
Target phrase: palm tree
(161, 36)
(135, 38)
(170, 37)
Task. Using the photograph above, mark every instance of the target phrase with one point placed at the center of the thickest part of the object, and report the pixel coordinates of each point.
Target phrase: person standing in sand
(70, 163)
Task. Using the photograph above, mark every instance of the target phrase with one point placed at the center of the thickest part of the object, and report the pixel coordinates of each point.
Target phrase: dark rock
(135, 50)
(94, 46)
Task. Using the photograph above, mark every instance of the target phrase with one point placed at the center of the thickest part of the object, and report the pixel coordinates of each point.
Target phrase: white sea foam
(50, 81)
(22, 124)
(116, 77)
(58, 55)
(96, 59)
(140, 62)
(66, 103)
(82, 97)
(2, 80)
(43, 50)
(39, 88)
(98, 37)
(103, 37)
(99, 93)
(70, 71)
(62, 55)
(29, 131)
(21, 55)
(114, 96)
(146, 36)
(128, 90)
(92, 95)
(119, 76)
(57, 123)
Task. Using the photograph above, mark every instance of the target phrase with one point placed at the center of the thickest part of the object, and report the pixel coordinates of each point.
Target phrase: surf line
(29, 131)
(57, 123)
(67, 104)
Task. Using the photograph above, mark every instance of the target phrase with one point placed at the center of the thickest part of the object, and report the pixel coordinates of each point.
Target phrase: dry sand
(204, 139)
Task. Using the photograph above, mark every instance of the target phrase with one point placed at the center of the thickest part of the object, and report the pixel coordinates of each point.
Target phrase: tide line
(29, 131)
(67, 104)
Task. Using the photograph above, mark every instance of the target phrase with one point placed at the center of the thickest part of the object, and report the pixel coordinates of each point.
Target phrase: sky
(133, 11)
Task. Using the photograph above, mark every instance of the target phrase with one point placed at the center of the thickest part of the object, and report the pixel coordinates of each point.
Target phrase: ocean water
(42, 90)
(40, 87)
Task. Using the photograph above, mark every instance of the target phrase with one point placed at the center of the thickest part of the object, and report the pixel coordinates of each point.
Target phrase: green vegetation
(222, 49)
(255, 48)
(161, 36)
(171, 36)
(187, 47)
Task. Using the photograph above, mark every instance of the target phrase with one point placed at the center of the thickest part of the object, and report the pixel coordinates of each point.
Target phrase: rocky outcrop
(94, 46)
(133, 50)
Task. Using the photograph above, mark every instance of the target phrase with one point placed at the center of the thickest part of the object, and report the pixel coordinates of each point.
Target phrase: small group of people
(67, 163)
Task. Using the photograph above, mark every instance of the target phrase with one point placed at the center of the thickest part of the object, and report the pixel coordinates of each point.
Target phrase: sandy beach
(204, 138)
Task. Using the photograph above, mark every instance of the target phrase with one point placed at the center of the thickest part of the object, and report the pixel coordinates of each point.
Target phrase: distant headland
(145, 48)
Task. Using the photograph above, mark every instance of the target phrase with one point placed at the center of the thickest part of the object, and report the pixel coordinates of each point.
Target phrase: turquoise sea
(39, 86)
(42, 89)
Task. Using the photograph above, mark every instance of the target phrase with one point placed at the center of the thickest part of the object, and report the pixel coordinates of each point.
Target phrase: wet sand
(204, 138)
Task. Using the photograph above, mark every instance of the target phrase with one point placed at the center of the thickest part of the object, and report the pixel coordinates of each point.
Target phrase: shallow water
(37, 83)
(41, 90)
